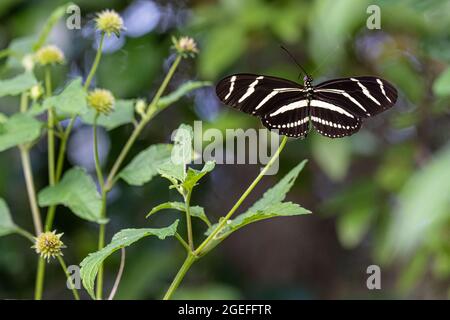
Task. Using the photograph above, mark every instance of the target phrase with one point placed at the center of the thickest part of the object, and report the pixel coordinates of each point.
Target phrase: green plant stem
(101, 245)
(51, 127)
(190, 259)
(39, 286)
(96, 63)
(183, 243)
(200, 250)
(59, 167)
(35, 213)
(150, 113)
(98, 168)
(119, 275)
(187, 201)
(101, 234)
(72, 286)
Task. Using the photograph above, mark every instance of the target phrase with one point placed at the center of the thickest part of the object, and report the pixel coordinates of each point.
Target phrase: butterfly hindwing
(333, 121)
(256, 94)
(290, 119)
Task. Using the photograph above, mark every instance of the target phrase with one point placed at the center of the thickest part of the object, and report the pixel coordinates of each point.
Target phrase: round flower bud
(140, 107)
(48, 245)
(109, 21)
(49, 55)
(36, 92)
(101, 100)
(185, 46)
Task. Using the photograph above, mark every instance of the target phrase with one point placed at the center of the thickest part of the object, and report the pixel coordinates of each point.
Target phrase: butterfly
(336, 108)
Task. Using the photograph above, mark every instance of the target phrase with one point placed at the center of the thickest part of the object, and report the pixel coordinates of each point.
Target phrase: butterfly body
(335, 108)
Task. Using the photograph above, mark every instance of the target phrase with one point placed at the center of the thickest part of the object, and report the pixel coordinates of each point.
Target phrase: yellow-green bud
(140, 107)
(186, 46)
(49, 55)
(109, 21)
(101, 100)
(48, 245)
(36, 92)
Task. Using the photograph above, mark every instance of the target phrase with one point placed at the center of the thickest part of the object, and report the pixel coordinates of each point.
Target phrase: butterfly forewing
(256, 94)
(361, 96)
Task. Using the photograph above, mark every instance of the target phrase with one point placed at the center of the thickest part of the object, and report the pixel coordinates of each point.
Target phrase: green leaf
(3, 118)
(71, 101)
(270, 205)
(332, 155)
(122, 114)
(282, 209)
(441, 86)
(193, 176)
(195, 211)
(7, 225)
(181, 91)
(174, 173)
(277, 193)
(19, 129)
(77, 191)
(17, 85)
(145, 165)
(182, 154)
(124, 238)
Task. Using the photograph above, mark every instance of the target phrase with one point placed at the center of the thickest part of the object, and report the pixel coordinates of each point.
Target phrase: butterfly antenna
(295, 60)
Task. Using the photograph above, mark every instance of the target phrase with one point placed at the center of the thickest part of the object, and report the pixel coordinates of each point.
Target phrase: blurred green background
(379, 197)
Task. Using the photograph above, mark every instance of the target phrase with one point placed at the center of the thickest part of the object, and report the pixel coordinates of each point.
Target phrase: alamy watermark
(374, 280)
(373, 22)
(232, 146)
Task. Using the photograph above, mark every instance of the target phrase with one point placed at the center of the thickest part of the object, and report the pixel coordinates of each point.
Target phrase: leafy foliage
(146, 164)
(122, 114)
(19, 129)
(17, 85)
(122, 239)
(71, 101)
(77, 191)
(7, 226)
(269, 206)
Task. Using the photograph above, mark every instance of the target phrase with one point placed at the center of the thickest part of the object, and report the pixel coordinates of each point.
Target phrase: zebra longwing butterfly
(335, 107)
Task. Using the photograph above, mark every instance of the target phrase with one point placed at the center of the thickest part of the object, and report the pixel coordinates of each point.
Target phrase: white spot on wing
(382, 89)
(232, 80)
(365, 91)
(250, 89)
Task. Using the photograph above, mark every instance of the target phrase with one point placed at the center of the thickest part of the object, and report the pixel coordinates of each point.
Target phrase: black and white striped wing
(256, 94)
(280, 103)
(339, 105)
(290, 119)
